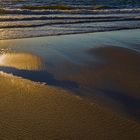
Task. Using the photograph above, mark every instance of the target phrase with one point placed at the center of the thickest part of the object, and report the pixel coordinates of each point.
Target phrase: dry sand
(38, 112)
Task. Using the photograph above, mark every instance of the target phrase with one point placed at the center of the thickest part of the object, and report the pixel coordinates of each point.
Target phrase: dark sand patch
(115, 76)
(118, 68)
(32, 111)
(122, 67)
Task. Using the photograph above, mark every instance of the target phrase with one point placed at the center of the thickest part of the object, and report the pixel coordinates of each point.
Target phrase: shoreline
(27, 113)
(105, 66)
(71, 34)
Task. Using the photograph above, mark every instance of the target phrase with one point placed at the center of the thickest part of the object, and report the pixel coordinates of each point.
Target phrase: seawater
(16, 22)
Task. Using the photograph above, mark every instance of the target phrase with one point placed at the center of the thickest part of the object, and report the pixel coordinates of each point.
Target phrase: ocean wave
(4, 25)
(72, 11)
(81, 3)
(72, 17)
(20, 23)
(62, 29)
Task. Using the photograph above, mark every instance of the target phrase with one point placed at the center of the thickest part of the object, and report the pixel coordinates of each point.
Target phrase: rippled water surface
(119, 3)
(84, 16)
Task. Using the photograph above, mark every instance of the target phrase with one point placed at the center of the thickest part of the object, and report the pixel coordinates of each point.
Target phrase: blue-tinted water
(16, 22)
(113, 3)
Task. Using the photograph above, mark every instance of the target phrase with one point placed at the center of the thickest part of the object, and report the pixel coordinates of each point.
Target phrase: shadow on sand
(41, 76)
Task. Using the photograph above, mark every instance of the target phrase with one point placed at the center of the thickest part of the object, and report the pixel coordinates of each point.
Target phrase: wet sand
(76, 87)
(32, 111)
(115, 77)
(117, 68)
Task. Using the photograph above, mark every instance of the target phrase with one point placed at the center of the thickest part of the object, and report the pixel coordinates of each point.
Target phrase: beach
(73, 87)
(32, 111)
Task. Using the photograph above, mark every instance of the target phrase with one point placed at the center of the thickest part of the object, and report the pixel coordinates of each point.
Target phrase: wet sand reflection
(22, 61)
(29, 66)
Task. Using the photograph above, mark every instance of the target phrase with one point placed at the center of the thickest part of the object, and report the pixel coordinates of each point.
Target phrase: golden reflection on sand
(24, 61)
